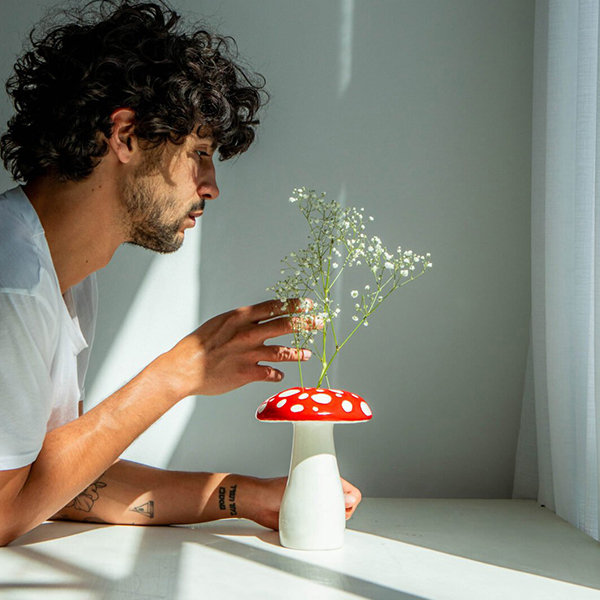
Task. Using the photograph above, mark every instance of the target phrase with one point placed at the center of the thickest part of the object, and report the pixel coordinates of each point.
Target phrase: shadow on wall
(118, 286)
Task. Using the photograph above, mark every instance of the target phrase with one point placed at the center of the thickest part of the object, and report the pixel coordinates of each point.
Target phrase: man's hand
(269, 494)
(225, 352)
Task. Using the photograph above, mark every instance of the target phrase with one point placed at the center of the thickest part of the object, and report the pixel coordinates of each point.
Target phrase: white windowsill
(395, 548)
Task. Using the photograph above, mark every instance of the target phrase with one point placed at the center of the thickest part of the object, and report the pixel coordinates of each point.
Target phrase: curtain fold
(557, 454)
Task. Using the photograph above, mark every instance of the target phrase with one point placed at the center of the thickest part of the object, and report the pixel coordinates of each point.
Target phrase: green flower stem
(324, 372)
(300, 369)
(333, 333)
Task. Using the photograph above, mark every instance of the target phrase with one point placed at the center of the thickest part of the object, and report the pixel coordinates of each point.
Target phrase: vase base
(310, 547)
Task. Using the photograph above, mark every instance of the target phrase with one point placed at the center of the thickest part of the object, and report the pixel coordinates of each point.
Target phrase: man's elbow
(16, 513)
(9, 533)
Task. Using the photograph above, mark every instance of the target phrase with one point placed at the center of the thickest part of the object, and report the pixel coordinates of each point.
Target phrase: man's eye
(202, 153)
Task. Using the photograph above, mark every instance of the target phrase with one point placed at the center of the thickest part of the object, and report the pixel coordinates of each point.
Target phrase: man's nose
(208, 188)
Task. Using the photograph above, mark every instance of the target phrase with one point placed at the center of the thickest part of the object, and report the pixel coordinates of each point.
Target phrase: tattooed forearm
(146, 509)
(86, 500)
(231, 498)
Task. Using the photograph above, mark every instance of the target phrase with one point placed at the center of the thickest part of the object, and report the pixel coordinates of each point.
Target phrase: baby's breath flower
(338, 233)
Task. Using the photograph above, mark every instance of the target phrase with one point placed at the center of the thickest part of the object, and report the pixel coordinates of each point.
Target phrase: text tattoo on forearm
(223, 498)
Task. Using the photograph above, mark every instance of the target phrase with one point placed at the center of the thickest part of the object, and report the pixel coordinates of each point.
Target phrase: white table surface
(394, 548)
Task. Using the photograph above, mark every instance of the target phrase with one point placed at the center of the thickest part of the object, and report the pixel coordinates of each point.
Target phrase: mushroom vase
(312, 514)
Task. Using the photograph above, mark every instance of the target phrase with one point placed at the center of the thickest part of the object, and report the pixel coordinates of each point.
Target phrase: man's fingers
(285, 325)
(266, 373)
(273, 308)
(352, 497)
(283, 353)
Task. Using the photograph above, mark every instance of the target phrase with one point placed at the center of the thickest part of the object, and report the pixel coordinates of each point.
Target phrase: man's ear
(123, 141)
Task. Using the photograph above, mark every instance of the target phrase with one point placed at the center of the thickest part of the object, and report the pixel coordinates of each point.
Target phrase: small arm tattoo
(231, 497)
(86, 500)
(146, 509)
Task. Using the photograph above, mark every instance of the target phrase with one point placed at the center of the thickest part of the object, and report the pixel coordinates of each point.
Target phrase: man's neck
(83, 223)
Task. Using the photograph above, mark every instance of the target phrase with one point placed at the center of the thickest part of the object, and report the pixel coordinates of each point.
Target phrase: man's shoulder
(22, 244)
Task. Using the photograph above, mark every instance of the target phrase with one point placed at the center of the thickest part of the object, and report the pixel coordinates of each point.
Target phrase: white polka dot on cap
(322, 398)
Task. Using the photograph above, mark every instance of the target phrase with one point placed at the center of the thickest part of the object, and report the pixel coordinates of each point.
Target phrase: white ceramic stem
(312, 514)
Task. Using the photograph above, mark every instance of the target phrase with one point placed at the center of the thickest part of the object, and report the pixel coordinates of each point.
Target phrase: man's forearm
(133, 494)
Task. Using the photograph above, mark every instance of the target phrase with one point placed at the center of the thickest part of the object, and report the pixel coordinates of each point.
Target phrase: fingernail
(350, 499)
(306, 354)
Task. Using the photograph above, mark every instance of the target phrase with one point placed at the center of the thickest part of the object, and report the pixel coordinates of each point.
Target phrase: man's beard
(145, 210)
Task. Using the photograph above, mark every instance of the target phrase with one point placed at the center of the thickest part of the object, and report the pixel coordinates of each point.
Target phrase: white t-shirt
(45, 338)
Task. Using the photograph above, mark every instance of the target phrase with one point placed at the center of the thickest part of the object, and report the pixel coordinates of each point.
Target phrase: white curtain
(558, 455)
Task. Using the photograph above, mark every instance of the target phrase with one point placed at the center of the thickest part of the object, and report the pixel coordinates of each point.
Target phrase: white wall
(420, 111)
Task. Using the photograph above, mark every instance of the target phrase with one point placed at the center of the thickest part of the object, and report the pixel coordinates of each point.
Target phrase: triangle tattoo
(146, 509)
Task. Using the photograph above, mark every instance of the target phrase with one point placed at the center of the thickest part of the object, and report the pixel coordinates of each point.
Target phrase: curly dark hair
(114, 54)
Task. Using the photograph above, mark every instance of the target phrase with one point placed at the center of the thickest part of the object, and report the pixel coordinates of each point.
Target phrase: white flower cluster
(337, 240)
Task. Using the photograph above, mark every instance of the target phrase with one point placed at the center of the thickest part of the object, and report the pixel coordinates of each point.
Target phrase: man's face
(166, 193)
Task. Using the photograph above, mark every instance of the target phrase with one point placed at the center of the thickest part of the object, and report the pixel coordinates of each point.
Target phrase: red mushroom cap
(314, 404)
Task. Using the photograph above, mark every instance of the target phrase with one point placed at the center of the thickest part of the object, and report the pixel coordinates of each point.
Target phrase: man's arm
(133, 494)
(129, 493)
(223, 354)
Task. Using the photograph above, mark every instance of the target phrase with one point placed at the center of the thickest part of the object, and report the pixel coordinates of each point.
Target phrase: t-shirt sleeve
(26, 324)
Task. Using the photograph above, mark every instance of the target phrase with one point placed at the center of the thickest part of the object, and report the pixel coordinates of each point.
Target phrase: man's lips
(191, 218)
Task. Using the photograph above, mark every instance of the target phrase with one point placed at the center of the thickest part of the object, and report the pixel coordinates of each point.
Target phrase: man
(118, 115)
